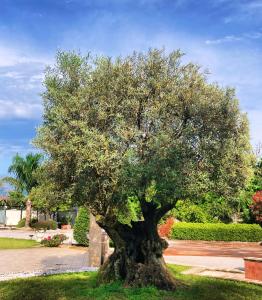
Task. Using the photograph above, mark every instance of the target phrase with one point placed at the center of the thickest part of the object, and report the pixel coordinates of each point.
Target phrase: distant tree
(45, 196)
(209, 208)
(16, 198)
(244, 200)
(257, 179)
(256, 206)
(24, 179)
(137, 134)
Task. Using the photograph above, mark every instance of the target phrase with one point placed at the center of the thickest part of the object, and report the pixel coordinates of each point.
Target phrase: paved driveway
(59, 259)
(42, 259)
(209, 262)
(215, 255)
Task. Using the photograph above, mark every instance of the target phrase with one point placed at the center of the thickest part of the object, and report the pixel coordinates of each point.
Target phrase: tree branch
(163, 210)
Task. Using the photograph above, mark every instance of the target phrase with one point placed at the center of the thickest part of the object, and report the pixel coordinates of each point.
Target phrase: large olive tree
(129, 137)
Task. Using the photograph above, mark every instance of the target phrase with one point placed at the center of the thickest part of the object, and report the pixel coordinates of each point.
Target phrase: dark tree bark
(137, 258)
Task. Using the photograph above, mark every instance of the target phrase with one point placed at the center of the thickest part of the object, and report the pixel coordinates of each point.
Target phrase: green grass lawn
(10, 243)
(80, 286)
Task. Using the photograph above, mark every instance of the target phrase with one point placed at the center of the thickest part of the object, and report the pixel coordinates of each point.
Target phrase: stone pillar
(105, 247)
(95, 243)
(98, 244)
(28, 213)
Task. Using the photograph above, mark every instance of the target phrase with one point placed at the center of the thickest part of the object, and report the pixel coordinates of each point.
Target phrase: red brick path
(203, 248)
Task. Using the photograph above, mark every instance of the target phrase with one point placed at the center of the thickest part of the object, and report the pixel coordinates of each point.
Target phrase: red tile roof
(4, 198)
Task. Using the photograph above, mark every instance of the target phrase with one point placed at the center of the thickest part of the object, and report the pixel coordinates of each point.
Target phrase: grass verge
(80, 286)
(10, 243)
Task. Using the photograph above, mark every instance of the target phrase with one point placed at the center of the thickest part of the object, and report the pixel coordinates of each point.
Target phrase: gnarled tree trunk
(137, 258)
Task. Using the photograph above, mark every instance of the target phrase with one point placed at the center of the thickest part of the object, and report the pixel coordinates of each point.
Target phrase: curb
(10, 276)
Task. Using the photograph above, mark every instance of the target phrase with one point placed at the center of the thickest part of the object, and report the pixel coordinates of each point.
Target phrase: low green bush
(33, 221)
(216, 232)
(21, 223)
(50, 224)
(81, 227)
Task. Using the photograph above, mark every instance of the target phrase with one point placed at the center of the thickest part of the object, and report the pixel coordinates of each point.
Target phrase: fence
(11, 216)
(2, 216)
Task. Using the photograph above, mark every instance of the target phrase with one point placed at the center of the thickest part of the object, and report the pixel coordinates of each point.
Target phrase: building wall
(13, 216)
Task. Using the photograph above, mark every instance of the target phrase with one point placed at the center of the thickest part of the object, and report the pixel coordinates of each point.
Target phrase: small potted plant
(66, 223)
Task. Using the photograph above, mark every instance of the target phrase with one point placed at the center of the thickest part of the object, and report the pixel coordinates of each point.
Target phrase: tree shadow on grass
(80, 286)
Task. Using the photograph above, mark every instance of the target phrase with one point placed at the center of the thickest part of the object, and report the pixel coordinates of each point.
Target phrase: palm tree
(24, 179)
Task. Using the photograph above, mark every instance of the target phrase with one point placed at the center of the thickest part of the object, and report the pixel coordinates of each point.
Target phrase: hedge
(216, 232)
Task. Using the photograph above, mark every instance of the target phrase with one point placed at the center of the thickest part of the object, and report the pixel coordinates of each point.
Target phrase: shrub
(81, 226)
(33, 221)
(50, 224)
(217, 232)
(21, 223)
(165, 228)
(54, 241)
(189, 212)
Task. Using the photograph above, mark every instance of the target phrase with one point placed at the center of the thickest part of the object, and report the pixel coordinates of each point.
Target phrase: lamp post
(5, 208)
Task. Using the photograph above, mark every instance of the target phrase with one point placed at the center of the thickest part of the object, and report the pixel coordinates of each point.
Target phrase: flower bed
(53, 241)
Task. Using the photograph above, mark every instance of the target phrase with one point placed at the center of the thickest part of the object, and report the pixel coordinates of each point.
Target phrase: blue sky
(224, 36)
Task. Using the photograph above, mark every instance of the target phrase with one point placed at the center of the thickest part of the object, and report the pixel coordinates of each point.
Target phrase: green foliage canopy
(145, 127)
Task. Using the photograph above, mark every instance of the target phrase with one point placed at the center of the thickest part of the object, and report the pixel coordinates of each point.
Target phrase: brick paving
(239, 276)
(203, 248)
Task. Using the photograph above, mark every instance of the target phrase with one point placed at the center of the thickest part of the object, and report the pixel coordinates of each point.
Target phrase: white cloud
(12, 149)
(37, 77)
(11, 57)
(252, 6)
(228, 38)
(16, 109)
(235, 38)
(12, 75)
